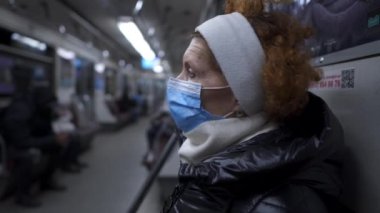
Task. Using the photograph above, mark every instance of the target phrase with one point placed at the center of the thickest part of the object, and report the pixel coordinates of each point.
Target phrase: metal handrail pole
(3, 154)
(153, 174)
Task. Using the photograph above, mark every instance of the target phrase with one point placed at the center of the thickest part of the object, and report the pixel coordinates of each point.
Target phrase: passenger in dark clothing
(18, 121)
(17, 131)
(256, 140)
(46, 103)
(124, 103)
(128, 106)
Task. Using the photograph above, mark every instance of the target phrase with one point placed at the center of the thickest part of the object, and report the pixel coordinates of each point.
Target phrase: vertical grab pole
(3, 155)
(153, 174)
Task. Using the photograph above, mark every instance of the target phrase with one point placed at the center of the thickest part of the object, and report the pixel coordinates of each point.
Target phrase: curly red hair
(287, 72)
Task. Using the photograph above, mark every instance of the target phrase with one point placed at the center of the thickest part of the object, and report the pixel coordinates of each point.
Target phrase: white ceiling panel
(95, 22)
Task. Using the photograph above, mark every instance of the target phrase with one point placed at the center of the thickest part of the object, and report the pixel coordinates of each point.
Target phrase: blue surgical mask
(184, 100)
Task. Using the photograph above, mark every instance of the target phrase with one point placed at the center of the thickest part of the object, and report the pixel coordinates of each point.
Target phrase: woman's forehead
(197, 48)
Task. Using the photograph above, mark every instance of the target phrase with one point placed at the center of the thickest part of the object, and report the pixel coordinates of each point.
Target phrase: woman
(256, 140)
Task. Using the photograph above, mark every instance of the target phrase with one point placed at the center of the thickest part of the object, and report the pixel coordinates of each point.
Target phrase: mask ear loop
(238, 114)
(211, 88)
(237, 111)
(228, 114)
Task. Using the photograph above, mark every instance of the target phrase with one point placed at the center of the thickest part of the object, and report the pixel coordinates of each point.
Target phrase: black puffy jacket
(294, 168)
(18, 123)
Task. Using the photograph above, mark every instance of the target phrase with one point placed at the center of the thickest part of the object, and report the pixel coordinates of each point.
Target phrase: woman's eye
(190, 73)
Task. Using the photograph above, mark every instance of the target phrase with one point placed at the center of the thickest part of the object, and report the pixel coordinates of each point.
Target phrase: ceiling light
(62, 29)
(161, 54)
(138, 6)
(100, 67)
(29, 42)
(158, 69)
(66, 54)
(150, 64)
(151, 31)
(122, 63)
(106, 54)
(135, 37)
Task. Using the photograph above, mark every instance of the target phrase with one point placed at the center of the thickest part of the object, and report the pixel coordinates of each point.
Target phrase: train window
(110, 80)
(84, 77)
(99, 82)
(339, 24)
(66, 74)
(41, 76)
(6, 87)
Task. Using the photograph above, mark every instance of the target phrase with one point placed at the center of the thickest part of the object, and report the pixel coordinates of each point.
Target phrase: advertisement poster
(338, 24)
(338, 79)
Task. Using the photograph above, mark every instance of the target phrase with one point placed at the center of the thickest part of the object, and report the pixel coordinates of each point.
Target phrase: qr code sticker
(348, 78)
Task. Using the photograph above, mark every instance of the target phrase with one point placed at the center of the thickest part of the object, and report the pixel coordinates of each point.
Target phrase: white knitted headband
(240, 55)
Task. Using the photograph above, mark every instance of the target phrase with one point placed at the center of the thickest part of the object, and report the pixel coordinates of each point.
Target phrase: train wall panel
(352, 90)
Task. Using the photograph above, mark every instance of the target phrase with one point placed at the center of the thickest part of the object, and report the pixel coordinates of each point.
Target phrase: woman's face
(198, 67)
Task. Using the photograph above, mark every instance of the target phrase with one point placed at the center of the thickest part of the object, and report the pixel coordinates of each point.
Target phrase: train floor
(109, 184)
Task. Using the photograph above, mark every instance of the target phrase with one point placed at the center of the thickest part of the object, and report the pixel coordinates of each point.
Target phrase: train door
(84, 87)
(65, 75)
(103, 91)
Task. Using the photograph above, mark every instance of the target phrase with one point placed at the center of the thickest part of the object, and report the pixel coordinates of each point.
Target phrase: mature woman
(256, 140)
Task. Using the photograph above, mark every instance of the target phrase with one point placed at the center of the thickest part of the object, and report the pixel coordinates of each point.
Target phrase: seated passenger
(256, 139)
(50, 119)
(24, 167)
(141, 101)
(158, 134)
(63, 122)
(17, 132)
(128, 105)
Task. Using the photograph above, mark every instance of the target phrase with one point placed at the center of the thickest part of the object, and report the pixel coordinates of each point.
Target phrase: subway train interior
(102, 66)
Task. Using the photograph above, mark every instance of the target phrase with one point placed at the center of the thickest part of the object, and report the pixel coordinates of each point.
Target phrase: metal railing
(3, 156)
(153, 174)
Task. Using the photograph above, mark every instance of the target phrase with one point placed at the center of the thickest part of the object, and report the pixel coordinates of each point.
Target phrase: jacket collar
(214, 136)
(273, 157)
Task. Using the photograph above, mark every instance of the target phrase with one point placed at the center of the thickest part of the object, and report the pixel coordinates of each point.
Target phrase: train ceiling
(95, 22)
